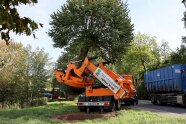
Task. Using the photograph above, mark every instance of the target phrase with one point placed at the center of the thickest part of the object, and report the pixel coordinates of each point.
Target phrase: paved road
(166, 109)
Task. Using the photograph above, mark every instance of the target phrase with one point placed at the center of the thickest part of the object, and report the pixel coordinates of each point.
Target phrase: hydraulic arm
(85, 76)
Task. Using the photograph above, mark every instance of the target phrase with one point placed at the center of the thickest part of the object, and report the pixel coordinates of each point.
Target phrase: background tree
(165, 51)
(23, 73)
(102, 26)
(142, 55)
(178, 56)
(38, 71)
(11, 71)
(10, 19)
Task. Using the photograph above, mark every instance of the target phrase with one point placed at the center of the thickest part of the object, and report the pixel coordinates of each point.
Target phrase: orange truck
(115, 91)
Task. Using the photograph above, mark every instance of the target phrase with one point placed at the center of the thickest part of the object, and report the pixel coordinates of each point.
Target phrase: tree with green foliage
(38, 70)
(10, 19)
(82, 26)
(165, 51)
(23, 73)
(65, 59)
(11, 71)
(179, 56)
(142, 55)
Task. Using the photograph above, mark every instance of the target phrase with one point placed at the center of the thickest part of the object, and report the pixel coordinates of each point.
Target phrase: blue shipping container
(166, 80)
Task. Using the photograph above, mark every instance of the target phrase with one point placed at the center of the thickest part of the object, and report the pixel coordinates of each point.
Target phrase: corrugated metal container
(168, 79)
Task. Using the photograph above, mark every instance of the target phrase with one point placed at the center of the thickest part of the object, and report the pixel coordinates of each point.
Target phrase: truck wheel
(184, 100)
(132, 102)
(113, 106)
(158, 101)
(136, 101)
(153, 101)
(118, 104)
(101, 110)
(81, 110)
(88, 109)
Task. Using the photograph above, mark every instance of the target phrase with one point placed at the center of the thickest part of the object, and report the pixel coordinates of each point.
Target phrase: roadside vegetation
(24, 73)
(44, 114)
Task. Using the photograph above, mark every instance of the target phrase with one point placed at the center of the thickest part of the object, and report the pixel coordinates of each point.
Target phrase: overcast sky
(160, 18)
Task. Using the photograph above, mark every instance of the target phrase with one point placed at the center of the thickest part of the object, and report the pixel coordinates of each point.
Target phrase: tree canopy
(101, 25)
(142, 54)
(10, 20)
(23, 73)
(179, 56)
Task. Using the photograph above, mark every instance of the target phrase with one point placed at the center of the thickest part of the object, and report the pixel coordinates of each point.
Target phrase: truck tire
(118, 104)
(81, 110)
(136, 101)
(153, 101)
(158, 101)
(87, 109)
(101, 110)
(184, 100)
(112, 106)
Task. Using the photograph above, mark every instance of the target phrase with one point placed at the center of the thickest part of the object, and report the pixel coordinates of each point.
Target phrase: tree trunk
(143, 64)
(82, 55)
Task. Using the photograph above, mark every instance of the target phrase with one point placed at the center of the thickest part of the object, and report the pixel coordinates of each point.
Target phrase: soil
(81, 116)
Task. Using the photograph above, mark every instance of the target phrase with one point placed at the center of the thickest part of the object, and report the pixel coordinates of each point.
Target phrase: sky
(159, 18)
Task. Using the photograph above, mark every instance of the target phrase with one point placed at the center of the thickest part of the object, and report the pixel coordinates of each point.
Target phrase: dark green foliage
(102, 26)
(143, 55)
(10, 19)
(178, 56)
(65, 59)
(142, 91)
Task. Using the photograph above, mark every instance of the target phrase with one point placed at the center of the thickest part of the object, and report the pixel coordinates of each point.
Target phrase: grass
(43, 114)
(36, 115)
(137, 117)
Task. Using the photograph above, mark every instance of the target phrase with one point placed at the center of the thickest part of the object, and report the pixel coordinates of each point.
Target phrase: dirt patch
(80, 116)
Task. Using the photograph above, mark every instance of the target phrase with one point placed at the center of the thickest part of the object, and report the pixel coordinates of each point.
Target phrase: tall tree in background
(165, 52)
(38, 70)
(11, 71)
(23, 72)
(100, 25)
(142, 55)
(10, 19)
(179, 56)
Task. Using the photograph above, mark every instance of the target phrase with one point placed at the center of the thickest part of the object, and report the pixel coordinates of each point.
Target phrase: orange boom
(114, 91)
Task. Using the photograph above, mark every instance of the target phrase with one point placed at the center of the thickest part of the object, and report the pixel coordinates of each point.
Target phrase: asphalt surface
(173, 110)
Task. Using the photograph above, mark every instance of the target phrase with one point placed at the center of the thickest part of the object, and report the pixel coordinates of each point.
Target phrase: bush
(142, 91)
(8, 105)
(39, 101)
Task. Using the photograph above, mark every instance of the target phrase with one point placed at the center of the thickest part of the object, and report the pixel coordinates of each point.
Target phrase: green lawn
(43, 114)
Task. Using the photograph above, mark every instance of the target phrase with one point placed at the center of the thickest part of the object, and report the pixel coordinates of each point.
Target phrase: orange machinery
(116, 89)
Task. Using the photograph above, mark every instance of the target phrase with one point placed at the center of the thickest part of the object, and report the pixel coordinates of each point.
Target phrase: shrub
(8, 105)
(39, 101)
